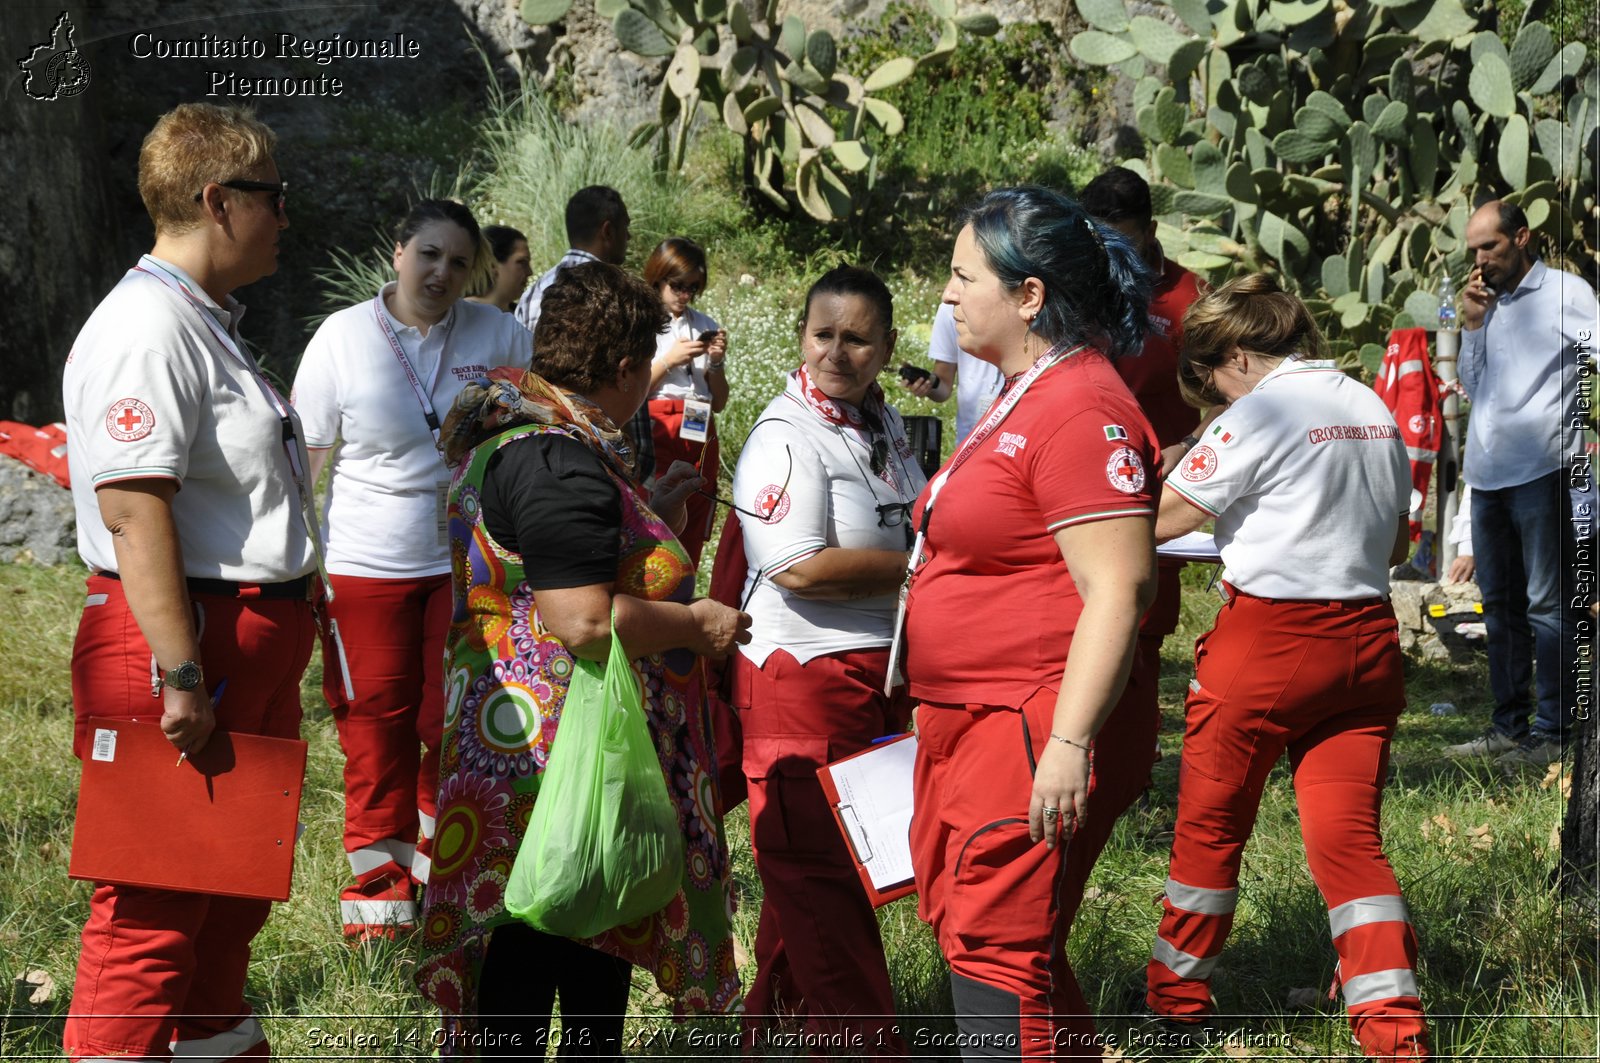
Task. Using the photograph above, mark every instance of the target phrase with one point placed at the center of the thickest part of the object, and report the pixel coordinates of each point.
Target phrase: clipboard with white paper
(1192, 546)
(871, 796)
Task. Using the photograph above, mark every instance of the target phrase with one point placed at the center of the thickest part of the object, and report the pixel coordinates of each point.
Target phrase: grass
(1507, 972)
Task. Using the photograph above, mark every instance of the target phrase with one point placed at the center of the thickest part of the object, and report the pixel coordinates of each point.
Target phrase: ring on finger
(1052, 812)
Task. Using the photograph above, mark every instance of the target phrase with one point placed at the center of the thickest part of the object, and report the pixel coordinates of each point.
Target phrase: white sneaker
(1491, 743)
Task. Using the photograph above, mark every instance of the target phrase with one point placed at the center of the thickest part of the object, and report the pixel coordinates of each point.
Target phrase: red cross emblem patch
(1125, 470)
(1200, 463)
(129, 419)
(772, 504)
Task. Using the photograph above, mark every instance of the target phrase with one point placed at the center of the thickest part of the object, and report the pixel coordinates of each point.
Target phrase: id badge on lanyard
(894, 677)
(441, 513)
(696, 423)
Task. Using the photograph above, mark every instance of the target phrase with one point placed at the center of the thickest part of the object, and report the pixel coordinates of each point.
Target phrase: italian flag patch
(1115, 432)
(1222, 436)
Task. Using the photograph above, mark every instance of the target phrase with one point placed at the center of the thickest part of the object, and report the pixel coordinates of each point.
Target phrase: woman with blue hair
(1039, 530)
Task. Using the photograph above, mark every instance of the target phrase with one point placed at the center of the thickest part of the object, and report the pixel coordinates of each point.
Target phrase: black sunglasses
(278, 188)
(894, 515)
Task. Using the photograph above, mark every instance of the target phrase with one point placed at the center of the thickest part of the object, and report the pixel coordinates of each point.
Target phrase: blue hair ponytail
(1097, 288)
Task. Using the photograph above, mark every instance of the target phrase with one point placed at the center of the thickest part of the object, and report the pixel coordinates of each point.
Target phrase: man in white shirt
(1525, 330)
(597, 231)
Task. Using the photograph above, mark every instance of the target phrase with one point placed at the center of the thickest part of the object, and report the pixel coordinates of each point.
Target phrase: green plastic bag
(603, 846)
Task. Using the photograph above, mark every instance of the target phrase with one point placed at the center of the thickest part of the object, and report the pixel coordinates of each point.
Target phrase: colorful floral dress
(505, 681)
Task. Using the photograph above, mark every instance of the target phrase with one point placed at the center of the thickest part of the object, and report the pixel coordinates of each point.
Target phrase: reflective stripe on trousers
(245, 1039)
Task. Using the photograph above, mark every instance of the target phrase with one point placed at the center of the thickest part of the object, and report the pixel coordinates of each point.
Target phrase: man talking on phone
(1525, 329)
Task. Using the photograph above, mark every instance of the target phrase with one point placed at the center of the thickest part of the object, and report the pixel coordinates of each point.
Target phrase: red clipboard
(223, 821)
(870, 796)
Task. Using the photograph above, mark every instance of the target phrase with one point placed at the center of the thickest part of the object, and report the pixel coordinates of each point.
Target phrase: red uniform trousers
(818, 952)
(159, 969)
(666, 415)
(391, 650)
(1000, 904)
(1322, 680)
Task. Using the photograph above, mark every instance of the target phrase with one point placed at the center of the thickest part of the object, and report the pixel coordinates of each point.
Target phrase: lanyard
(153, 268)
(997, 413)
(417, 389)
(289, 437)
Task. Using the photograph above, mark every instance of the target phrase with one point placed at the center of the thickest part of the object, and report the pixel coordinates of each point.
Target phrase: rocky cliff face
(71, 221)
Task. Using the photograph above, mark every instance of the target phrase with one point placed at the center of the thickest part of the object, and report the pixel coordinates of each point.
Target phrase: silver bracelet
(1070, 742)
(717, 365)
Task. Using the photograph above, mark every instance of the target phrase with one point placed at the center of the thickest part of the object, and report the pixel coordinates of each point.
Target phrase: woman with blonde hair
(1306, 476)
(189, 590)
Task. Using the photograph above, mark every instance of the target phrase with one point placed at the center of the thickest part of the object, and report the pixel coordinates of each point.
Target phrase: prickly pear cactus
(1344, 143)
(804, 120)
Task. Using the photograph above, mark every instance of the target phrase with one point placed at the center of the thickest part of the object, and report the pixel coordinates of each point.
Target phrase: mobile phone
(708, 335)
(912, 374)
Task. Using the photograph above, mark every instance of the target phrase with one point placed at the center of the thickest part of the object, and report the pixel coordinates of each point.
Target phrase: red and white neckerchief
(428, 413)
(832, 410)
(997, 413)
(843, 416)
(153, 267)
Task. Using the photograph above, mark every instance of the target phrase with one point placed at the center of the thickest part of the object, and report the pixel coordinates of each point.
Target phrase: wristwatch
(185, 676)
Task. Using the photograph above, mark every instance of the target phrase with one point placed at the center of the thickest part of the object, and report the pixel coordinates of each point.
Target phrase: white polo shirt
(151, 392)
(1307, 477)
(685, 381)
(814, 482)
(977, 381)
(383, 517)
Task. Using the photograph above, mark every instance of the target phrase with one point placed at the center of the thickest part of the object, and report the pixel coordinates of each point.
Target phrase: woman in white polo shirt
(1306, 477)
(823, 487)
(687, 382)
(371, 389)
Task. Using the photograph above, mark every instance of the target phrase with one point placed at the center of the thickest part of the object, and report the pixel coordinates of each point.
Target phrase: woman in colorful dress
(687, 377)
(550, 535)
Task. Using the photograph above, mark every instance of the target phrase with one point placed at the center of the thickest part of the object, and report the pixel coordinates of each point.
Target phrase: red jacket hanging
(44, 450)
(1407, 386)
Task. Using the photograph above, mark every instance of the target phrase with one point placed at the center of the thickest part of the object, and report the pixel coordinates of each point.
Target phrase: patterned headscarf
(508, 397)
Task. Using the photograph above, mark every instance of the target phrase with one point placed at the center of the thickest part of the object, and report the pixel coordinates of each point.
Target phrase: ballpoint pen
(216, 696)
